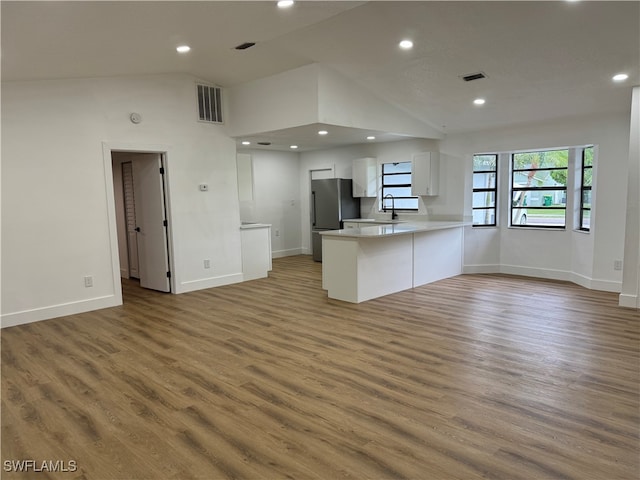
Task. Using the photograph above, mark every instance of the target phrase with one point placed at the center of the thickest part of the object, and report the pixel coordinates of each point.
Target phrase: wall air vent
(473, 76)
(245, 45)
(209, 103)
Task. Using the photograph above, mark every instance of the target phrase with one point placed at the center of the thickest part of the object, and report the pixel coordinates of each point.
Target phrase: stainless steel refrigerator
(331, 203)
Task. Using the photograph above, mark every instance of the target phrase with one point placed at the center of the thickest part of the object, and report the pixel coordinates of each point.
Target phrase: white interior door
(130, 219)
(151, 229)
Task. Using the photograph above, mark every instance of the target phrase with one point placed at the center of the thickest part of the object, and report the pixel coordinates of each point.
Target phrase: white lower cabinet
(351, 225)
(256, 250)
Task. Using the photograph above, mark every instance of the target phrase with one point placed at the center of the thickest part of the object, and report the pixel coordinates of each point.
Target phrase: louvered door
(130, 218)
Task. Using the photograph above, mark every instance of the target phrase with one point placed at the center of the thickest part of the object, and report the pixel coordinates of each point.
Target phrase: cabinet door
(425, 173)
(365, 177)
(256, 252)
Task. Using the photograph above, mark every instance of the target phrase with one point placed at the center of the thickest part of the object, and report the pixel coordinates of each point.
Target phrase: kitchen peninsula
(368, 262)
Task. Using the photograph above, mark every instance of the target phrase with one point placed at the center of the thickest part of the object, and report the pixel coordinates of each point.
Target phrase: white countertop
(373, 221)
(247, 225)
(393, 229)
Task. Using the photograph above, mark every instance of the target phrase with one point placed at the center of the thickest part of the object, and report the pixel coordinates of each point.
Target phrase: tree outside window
(539, 188)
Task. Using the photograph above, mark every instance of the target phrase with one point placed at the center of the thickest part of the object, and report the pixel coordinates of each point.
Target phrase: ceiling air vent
(264, 143)
(209, 103)
(473, 76)
(245, 45)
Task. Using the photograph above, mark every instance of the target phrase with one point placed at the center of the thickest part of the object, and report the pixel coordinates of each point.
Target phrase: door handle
(138, 229)
(313, 208)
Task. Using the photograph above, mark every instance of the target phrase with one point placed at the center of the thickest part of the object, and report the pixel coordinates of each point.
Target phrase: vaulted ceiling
(542, 59)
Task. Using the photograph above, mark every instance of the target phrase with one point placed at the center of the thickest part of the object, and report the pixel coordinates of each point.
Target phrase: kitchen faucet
(394, 215)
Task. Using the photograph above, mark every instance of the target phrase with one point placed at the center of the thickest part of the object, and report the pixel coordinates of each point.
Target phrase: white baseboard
(628, 301)
(286, 253)
(549, 274)
(582, 280)
(488, 268)
(606, 285)
(62, 310)
(546, 273)
(193, 285)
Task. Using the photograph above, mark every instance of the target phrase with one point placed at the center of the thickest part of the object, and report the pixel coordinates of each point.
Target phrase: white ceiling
(543, 59)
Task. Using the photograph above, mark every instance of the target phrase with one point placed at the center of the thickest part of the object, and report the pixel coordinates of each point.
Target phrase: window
(539, 188)
(485, 190)
(396, 181)
(585, 189)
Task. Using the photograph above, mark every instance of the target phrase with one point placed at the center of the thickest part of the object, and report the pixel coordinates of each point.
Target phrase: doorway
(140, 198)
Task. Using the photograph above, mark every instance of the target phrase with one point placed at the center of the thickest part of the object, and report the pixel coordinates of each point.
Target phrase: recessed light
(620, 77)
(293, 147)
(246, 143)
(406, 44)
(183, 48)
(479, 101)
(323, 132)
(371, 137)
(285, 3)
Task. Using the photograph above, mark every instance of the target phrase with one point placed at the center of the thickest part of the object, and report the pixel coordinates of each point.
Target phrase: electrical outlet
(88, 281)
(207, 263)
(617, 264)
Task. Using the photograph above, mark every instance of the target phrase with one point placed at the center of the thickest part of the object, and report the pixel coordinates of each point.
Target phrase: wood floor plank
(476, 376)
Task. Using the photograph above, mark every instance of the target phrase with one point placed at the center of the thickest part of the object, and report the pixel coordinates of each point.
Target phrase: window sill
(540, 229)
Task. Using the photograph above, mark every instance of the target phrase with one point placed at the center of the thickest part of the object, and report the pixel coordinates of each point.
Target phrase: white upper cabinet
(365, 177)
(245, 177)
(425, 174)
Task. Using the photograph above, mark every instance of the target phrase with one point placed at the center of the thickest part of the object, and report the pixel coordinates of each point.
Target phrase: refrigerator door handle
(313, 208)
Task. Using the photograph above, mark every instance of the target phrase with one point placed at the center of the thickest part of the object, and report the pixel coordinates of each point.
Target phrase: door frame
(307, 237)
(165, 152)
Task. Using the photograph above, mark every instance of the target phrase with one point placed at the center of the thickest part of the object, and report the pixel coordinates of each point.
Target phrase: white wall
(284, 100)
(586, 259)
(276, 199)
(57, 190)
(315, 94)
(343, 102)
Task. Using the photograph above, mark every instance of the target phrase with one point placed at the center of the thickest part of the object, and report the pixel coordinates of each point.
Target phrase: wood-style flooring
(478, 376)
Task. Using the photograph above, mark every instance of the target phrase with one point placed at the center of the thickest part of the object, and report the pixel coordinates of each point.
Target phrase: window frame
(513, 190)
(486, 190)
(385, 206)
(585, 188)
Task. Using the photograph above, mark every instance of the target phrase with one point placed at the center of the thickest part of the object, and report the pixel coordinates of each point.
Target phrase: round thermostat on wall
(135, 118)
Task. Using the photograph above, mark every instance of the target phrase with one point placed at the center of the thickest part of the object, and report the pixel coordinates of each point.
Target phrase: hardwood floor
(478, 376)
